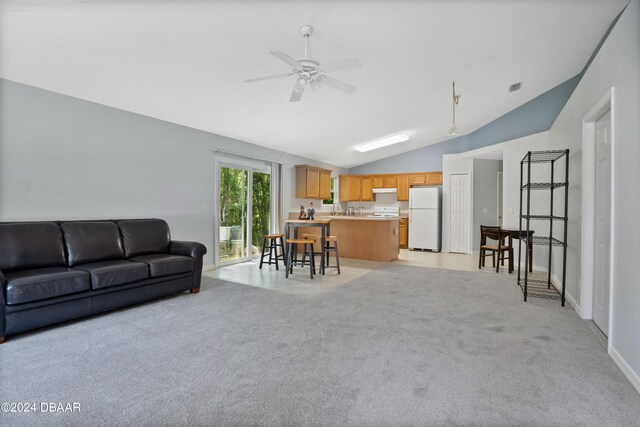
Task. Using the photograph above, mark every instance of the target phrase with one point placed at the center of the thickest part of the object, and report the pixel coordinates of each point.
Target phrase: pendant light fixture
(453, 131)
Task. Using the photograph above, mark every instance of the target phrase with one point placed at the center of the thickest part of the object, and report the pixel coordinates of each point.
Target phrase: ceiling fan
(309, 72)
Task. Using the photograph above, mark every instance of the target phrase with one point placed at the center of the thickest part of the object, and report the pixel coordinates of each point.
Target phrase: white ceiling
(184, 62)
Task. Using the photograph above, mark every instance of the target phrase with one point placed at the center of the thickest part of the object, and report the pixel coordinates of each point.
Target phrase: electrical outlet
(485, 210)
(510, 210)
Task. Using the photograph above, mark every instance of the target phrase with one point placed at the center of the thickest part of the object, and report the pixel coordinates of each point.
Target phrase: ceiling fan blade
(286, 58)
(336, 84)
(344, 64)
(258, 79)
(314, 85)
(298, 89)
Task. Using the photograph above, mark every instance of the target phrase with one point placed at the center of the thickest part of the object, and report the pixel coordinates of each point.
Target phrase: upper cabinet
(433, 178)
(417, 179)
(403, 187)
(325, 184)
(389, 181)
(367, 189)
(312, 182)
(350, 188)
(359, 188)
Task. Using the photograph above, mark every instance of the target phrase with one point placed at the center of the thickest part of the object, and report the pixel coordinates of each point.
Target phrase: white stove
(386, 212)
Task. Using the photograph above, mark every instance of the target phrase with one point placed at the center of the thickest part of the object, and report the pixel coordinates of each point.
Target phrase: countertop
(361, 218)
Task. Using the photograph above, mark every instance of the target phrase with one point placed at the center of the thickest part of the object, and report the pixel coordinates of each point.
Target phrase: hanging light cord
(455, 102)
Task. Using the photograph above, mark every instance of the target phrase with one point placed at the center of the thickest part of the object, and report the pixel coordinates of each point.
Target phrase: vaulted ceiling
(185, 62)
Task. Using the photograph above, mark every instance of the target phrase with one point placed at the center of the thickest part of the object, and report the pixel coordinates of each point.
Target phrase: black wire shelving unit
(536, 287)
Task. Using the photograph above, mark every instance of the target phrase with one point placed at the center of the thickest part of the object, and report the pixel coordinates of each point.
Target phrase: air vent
(514, 87)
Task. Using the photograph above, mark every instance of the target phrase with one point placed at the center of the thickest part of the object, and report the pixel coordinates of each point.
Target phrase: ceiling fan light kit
(310, 72)
(453, 130)
(383, 142)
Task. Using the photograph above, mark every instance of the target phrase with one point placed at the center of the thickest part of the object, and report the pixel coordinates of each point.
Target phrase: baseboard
(208, 267)
(628, 372)
(567, 297)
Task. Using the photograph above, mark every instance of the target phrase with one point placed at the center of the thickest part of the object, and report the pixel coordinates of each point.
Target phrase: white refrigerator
(424, 218)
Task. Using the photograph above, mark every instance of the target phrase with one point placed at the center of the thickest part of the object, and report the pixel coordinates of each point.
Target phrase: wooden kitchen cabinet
(417, 179)
(389, 181)
(433, 178)
(404, 233)
(350, 188)
(308, 182)
(378, 181)
(325, 184)
(367, 189)
(402, 182)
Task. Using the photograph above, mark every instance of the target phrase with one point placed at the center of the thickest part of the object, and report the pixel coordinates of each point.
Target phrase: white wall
(65, 158)
(616, 65)
(512, 153)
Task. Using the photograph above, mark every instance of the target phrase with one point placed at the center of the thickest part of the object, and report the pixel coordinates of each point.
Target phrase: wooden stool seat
(292, 259)
(298, 241)
(273, 250)
(273, 236)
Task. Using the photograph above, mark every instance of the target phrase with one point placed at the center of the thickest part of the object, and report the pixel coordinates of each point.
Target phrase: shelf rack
(535, 287)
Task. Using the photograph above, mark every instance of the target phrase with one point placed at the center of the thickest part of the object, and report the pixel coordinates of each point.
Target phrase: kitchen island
(361, 237)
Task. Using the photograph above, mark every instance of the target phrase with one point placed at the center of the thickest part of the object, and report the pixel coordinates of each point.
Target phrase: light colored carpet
(399, 346)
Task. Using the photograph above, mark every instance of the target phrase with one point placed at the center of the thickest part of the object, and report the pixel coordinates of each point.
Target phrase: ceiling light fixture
(379, 143)
(453, 131)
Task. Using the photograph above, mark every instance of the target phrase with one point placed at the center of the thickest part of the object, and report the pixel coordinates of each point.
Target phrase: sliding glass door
(244, 210)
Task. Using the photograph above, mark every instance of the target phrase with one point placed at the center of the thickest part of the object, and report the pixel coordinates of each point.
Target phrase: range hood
(385, 190)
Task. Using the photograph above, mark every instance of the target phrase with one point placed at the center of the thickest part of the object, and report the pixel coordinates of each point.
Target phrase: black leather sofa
(52, 272)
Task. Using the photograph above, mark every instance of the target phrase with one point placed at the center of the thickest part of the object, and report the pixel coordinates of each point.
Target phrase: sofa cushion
(30, 245)
(43, 283)
(144, 236)
(165, 264)
(89, 241)
(112, 273)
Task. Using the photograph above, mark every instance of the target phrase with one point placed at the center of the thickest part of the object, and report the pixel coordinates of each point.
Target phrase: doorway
(244, 210)
(602, 232)
(460, 213)
(597, 284)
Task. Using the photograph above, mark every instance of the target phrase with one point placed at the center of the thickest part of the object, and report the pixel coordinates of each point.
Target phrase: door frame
(500, 185)
(607, 102)
(250, 166)
(469, 249)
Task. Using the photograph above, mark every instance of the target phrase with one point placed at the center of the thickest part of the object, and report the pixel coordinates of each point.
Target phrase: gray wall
(617, 66)
(65, 158)
(485, 196)
(532, 117)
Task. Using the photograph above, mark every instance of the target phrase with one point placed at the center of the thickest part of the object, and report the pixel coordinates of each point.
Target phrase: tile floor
(300, 283)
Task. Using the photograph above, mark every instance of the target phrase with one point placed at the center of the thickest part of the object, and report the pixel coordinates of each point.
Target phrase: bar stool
(328, 249)
(273, 249)
(292, 259)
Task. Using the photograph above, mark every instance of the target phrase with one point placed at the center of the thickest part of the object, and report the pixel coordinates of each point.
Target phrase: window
(331, 200)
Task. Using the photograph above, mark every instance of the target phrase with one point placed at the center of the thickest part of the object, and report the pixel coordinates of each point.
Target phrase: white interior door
(601, 265)
(460, 212)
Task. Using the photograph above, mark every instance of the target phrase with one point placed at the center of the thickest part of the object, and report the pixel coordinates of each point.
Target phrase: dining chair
(503, 249)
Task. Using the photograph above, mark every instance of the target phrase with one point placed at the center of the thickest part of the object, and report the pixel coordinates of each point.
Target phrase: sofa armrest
(3, 284)
(194, 250)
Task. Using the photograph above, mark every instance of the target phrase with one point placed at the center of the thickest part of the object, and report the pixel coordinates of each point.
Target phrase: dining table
(291, 225)
(515, 233)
